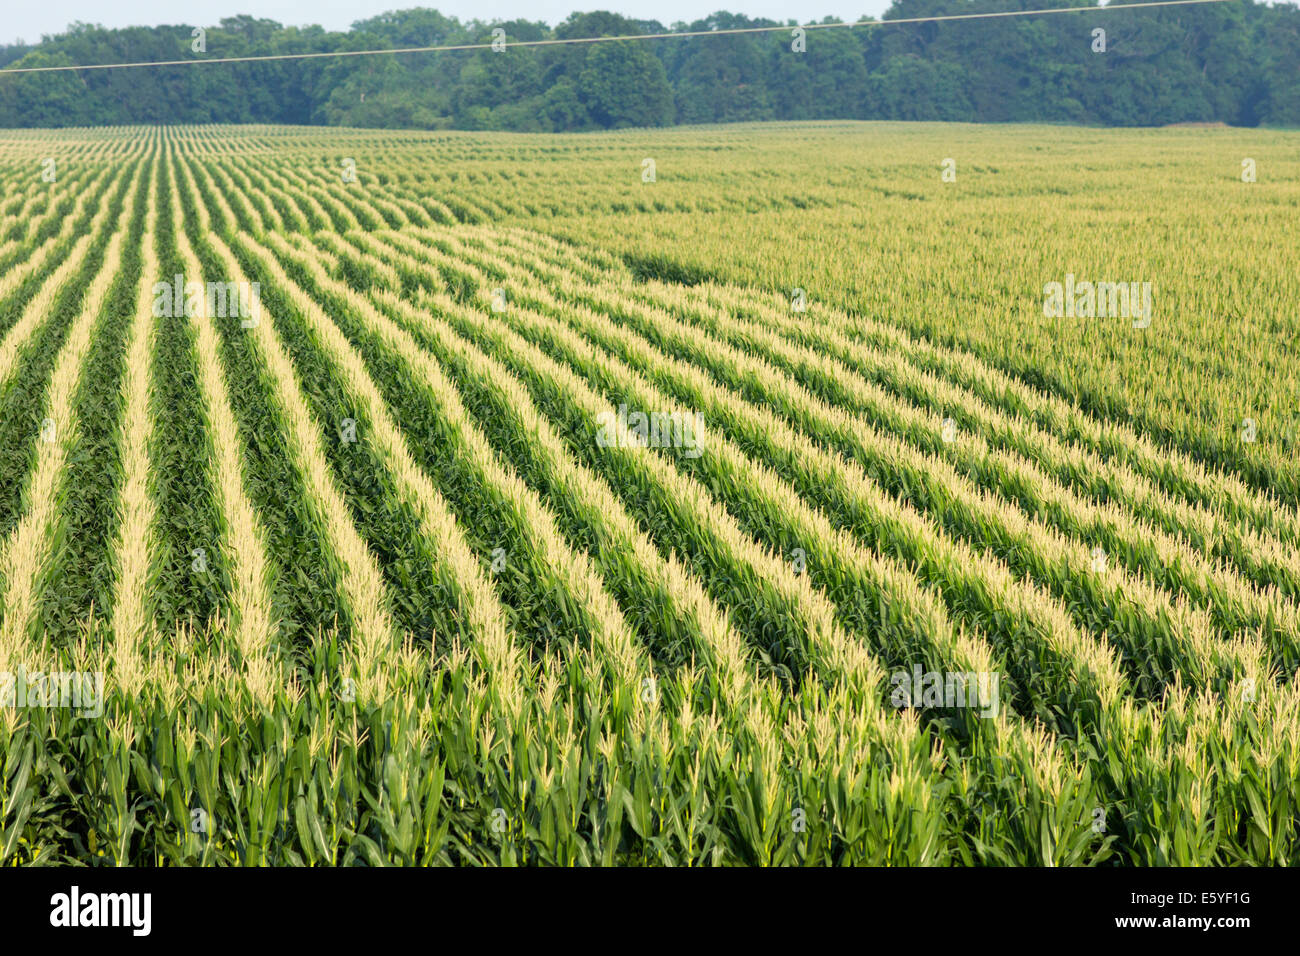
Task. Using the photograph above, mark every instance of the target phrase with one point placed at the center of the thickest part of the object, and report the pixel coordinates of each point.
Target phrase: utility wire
(638, 36)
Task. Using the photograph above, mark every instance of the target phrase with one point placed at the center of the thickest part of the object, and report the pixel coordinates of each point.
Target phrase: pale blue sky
(28, 20)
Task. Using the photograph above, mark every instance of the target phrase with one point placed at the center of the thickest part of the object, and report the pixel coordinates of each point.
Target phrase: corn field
(641, 498)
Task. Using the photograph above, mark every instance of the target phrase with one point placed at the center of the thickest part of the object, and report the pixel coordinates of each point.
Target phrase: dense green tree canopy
(1234, 63)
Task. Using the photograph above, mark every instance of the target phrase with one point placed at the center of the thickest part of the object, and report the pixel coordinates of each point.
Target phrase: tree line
(1236, 63)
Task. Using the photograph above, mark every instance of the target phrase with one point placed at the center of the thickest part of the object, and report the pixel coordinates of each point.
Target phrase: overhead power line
(447, 48)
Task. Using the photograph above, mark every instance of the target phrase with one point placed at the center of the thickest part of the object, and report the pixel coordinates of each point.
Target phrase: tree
(827, 81)
(1234, 63)
(623, 85)
(722, 79)
(910, 88)
(48, 99)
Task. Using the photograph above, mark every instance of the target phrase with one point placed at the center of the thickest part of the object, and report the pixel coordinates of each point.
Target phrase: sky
(27, 21)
